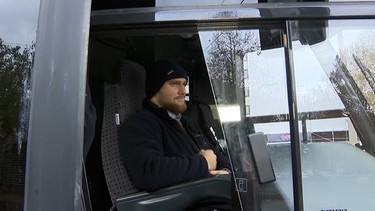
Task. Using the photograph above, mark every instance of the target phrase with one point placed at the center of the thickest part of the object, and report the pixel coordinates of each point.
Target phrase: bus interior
(254, 79)
(287, 89)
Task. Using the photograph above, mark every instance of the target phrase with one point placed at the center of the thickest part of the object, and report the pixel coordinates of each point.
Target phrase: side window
(335, 102)
(17, 39)
(249, 85)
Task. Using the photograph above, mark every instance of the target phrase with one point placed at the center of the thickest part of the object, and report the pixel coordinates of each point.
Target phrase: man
(160, 147)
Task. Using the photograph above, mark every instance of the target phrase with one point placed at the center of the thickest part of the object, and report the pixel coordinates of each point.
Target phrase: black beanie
(162, 71)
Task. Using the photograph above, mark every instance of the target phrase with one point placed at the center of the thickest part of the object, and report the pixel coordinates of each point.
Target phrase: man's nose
(182, 90)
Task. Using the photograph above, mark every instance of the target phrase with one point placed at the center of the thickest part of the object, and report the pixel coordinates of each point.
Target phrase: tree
(352, 78)
(226, 51)
(15, 67)
(359, 59)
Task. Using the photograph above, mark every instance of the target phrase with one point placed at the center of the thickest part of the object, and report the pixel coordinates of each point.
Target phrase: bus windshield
(334, 88)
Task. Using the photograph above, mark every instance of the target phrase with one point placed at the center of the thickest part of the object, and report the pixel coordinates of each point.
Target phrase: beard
(176, 108)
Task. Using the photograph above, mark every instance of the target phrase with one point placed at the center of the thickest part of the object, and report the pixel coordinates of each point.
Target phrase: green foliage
(15, 66)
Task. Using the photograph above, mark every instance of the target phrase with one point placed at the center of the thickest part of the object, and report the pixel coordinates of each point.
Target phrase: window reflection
(16, 52)
(335, 101)
(250, 91)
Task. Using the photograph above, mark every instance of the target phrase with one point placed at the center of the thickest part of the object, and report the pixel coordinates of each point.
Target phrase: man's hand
(210, 157)
(216, 172)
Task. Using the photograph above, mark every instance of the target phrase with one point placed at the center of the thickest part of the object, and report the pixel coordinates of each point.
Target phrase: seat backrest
(201, 114)
(121, 100)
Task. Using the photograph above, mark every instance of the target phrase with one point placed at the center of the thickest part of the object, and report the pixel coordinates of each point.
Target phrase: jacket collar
(160, 112)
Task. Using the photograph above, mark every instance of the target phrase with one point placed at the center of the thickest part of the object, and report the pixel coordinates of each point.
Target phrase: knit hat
(162, 71)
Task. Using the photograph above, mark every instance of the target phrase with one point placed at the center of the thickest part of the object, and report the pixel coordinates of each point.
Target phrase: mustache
(180, 97)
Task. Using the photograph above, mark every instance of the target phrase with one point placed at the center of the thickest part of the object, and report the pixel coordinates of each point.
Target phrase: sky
(18, 21)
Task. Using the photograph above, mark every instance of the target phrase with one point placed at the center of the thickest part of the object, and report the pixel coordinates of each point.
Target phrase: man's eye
(177, 83)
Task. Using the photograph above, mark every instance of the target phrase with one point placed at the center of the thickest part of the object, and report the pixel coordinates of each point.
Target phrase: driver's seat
(121, 100)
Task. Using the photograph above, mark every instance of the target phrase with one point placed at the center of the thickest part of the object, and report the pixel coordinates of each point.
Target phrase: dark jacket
(157, 152)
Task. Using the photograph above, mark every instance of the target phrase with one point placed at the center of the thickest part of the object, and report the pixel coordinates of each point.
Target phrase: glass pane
(18, 23)
(335, 98)
(249, 86)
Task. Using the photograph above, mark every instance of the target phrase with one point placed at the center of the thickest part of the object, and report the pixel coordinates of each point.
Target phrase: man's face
(171, 95)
